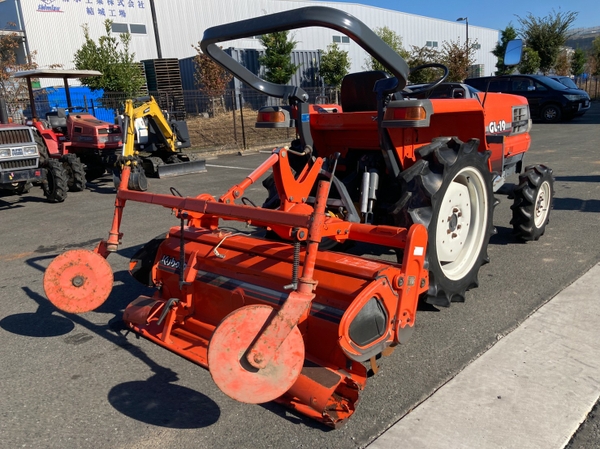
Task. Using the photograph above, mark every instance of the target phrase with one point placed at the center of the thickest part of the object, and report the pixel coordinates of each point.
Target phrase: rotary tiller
(271, 318)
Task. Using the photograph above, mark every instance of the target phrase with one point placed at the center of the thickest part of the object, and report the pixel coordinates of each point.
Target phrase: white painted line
(531, 390)
(228, 166)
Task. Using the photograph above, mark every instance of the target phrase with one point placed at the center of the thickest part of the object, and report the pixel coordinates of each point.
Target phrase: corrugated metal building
(53, 28)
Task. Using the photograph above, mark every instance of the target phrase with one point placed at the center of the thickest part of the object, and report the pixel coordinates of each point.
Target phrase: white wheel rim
(542, 204)
(462, 223)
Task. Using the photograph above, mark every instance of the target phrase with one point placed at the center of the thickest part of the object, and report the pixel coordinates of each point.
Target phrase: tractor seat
(57, 120)
(356, 92)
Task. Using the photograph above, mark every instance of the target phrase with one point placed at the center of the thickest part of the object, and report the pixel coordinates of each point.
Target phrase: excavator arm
(150, 109)
(168, 161)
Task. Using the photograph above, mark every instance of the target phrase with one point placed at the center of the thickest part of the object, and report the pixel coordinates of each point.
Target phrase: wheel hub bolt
(77, 281)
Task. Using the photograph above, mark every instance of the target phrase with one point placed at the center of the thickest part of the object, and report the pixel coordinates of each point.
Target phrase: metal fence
(221, 123)
(592, 86)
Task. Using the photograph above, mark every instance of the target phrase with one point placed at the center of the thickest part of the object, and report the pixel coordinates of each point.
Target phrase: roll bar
(299, 18)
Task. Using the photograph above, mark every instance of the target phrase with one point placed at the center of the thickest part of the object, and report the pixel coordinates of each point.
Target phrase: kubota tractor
(432, 154)
(278, 315)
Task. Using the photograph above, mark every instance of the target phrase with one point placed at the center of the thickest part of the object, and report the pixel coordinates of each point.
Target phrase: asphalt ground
(70, 381)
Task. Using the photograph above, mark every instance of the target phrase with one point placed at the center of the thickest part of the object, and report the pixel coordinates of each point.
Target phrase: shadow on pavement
(157, 400)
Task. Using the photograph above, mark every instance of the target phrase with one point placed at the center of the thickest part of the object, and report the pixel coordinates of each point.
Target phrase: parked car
(566, 80)
(548, 99)
(444, 90)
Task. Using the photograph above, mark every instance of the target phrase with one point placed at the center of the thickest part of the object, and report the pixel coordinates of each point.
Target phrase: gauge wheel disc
(230, 369)
(78, 281)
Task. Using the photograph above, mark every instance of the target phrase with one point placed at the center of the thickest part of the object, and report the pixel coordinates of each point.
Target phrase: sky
(493, 14)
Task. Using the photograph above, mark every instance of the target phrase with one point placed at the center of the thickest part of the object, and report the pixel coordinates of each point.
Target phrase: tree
(419, 56)
(578, 62)
(562, 66)
(546, 35)
(594, 59)
(277, 58)
(507, 34)
(530, 61)
(210, 77)
(12, 89)
(112, 57)
(458, 59)
(335, 65)
(393, 40)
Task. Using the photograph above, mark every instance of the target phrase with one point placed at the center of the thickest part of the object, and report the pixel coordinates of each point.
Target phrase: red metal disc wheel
(231, 371)
(78, 281)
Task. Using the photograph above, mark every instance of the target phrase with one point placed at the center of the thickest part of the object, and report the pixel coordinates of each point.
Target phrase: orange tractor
(279, 315)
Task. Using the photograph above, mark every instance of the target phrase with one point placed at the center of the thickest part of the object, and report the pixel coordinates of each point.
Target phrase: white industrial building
(168, 28)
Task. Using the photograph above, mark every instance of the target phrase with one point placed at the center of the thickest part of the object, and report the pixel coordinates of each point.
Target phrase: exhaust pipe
(368, 193)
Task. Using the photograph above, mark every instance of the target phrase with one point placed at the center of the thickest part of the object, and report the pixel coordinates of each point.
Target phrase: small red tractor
(279, 315)
(82, 144)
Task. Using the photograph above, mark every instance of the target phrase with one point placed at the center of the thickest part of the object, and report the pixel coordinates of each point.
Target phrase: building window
(119, 28)
(137, 29)
(341, 39)
(432, 44)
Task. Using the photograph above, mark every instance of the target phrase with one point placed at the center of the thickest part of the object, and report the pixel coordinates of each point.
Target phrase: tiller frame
(238, 305)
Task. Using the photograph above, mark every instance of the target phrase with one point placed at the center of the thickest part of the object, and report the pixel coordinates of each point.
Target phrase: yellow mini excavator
(155, 141)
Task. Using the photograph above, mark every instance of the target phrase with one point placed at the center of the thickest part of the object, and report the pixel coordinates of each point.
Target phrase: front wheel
(55, 183)
(551, 113)
(75, 173)
(449, 191)
(533, 201)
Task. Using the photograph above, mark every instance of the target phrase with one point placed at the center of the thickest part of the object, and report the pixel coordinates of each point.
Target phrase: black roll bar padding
(298, 18)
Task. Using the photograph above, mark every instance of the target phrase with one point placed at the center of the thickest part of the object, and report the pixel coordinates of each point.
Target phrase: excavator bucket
(181, 168)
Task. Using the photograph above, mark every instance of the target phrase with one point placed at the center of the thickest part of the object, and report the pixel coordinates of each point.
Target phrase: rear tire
(533, 199)
(75, 173)
(42, 148)
(551, 113)
(55, 183)
(449, 191)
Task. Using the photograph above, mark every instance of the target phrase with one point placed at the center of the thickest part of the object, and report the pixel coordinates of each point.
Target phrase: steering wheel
(429, 87)
(75, 109)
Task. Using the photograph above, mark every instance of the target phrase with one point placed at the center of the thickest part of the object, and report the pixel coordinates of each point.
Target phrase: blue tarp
(50, 98)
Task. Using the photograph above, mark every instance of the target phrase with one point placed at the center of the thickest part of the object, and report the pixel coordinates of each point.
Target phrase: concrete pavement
(532, 389)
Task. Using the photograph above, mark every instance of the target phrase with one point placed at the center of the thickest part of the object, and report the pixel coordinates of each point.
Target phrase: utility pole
(466, 20)
(155, 24)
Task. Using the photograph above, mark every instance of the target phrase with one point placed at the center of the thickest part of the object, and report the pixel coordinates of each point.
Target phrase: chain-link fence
(214, 123)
